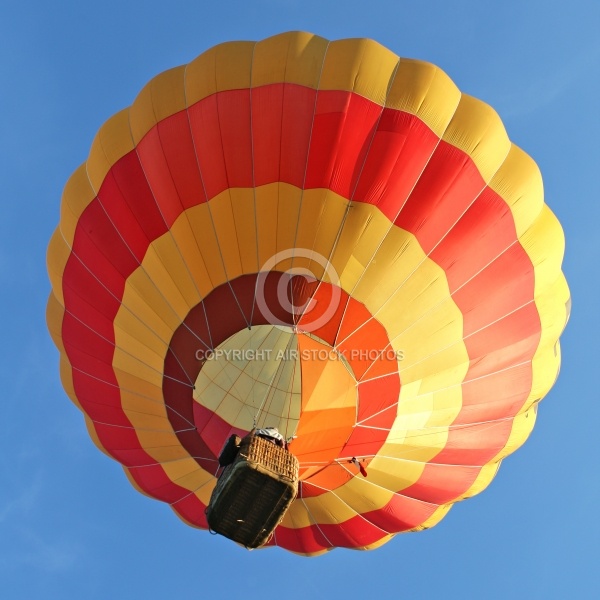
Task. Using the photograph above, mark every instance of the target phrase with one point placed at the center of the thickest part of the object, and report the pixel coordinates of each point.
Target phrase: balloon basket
(253, 493)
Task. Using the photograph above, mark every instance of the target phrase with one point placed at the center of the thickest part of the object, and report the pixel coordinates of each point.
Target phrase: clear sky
(71, 526)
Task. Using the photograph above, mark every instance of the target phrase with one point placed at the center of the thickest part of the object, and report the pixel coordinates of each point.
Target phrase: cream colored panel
(364, 494)
(415, 444)
(384, 540)
(129, 348)
(297, 516)
(545, 367)
(553, 308)
(189, 475)
(254, 375)
(154, 284)
(144, 412)
(203, 492)
(433, 401)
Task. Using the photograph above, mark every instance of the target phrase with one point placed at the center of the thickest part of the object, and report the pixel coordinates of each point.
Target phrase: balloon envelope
(320, 237)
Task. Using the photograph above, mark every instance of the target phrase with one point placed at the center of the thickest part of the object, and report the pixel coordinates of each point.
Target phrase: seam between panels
(455, 343)
(290, 402)
(270, 386)
(449, 387)
(114, 345)
(187, 107)
(76, 256)
(248, 323)
(308, 152)
(348, 459)
(427, 256)
(420, 462)
(352, 509)
(436, 306)
(131, 312)
(477, 196)
(408, 195)
(379, 487)
(349, 204)
(353, 191)
(164, 462)
(208, 206)
(480, 377)
(190, 492)
(254, 375)
(133, 392)
(232, 386)
(303, 180)
(121, 235)
(250, 94)
(314, 520)
(168, 229)
(429, 158)
(208, 200)
(466, 282)
(120, 300)
(146, 430)
(435, 430)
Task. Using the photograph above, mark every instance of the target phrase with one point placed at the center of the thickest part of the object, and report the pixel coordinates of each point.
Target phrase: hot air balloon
(324, 238)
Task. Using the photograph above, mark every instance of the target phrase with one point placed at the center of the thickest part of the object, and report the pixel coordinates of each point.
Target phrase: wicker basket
(254, 492)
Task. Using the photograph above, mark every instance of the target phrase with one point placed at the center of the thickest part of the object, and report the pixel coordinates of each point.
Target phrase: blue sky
(71, 526)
